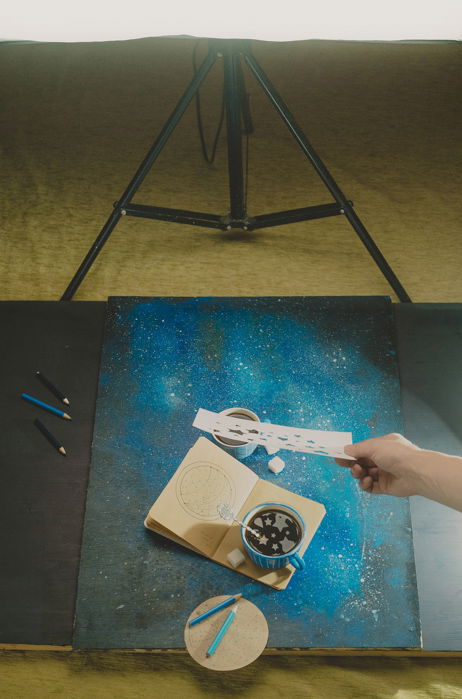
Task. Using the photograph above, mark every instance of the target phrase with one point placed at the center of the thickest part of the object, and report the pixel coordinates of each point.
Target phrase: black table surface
(43, 493)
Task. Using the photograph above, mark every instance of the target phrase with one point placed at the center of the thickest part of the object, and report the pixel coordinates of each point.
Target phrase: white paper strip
(324, 442)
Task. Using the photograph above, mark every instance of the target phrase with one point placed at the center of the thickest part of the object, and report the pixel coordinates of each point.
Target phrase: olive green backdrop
(77, 119)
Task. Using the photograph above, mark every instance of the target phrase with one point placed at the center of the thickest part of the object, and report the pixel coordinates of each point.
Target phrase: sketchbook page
(264, 491)
(187, 506)
(157, 529)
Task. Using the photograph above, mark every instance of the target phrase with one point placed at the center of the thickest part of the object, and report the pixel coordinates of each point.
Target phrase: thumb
(349, 449)
(360, 449)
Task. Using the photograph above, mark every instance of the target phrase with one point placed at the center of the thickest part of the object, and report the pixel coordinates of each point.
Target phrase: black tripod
(232, 51)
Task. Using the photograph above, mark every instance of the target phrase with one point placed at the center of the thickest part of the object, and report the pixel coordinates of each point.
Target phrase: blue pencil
(209, 612)
(45, 406)
(216, 641)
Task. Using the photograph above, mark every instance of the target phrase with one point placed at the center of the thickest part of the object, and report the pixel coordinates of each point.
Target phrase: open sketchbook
(186, 510)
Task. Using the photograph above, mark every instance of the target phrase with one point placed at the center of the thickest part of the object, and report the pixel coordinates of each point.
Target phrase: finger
(367, 448)
(374, 473)
(344, 462)
(358, 471)
(366, 483)
(365, 462)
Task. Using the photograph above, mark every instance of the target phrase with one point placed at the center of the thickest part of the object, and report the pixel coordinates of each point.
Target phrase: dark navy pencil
(51, 438)
(46, 382)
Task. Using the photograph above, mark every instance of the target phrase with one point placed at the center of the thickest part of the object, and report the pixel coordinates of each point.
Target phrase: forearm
(440, 477)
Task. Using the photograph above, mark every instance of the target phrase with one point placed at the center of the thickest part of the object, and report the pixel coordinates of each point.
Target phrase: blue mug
(234, 447)
(278, 534)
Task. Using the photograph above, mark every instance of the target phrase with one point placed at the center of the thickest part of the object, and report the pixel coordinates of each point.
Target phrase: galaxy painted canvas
(323, 363)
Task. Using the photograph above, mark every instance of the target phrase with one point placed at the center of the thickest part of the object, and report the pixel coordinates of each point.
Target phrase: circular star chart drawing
(201, 487)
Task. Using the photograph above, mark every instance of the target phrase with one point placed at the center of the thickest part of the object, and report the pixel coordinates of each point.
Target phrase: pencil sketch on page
(201, 486)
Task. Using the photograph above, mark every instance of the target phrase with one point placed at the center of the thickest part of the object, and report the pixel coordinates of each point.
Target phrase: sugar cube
(276, 464)
(235, 558)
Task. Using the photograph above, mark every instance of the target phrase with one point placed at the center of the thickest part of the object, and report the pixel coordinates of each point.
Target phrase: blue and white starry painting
(320, 363)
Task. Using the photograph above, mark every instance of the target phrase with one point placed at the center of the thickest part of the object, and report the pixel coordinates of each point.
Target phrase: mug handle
(297, 562)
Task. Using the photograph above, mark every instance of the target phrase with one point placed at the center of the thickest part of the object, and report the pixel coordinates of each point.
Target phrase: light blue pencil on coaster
(215, 609)
(45, 406)
(227, 623)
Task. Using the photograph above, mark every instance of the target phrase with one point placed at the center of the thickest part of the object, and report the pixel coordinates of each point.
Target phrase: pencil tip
(66, 400)
(66, 416)
(63, 451)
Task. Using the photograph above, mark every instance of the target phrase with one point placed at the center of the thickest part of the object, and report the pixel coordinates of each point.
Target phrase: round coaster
(243, 642)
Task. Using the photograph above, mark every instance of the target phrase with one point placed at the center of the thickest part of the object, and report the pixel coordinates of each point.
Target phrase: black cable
(207, 158)
(246, 174)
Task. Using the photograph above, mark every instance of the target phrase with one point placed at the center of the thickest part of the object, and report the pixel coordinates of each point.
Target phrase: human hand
(384, 465)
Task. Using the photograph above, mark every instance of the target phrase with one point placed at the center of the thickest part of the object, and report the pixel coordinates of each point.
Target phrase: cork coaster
(243, 642)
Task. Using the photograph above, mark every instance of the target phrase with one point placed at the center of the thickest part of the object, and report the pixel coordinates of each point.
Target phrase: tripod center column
(232, 50)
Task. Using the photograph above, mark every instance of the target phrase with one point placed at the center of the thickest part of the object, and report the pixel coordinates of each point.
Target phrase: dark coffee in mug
(276, 532)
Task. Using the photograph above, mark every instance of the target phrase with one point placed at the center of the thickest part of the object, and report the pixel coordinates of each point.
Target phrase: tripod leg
(327, 178)
(244, 101)
(139, 176)
(233, 118)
